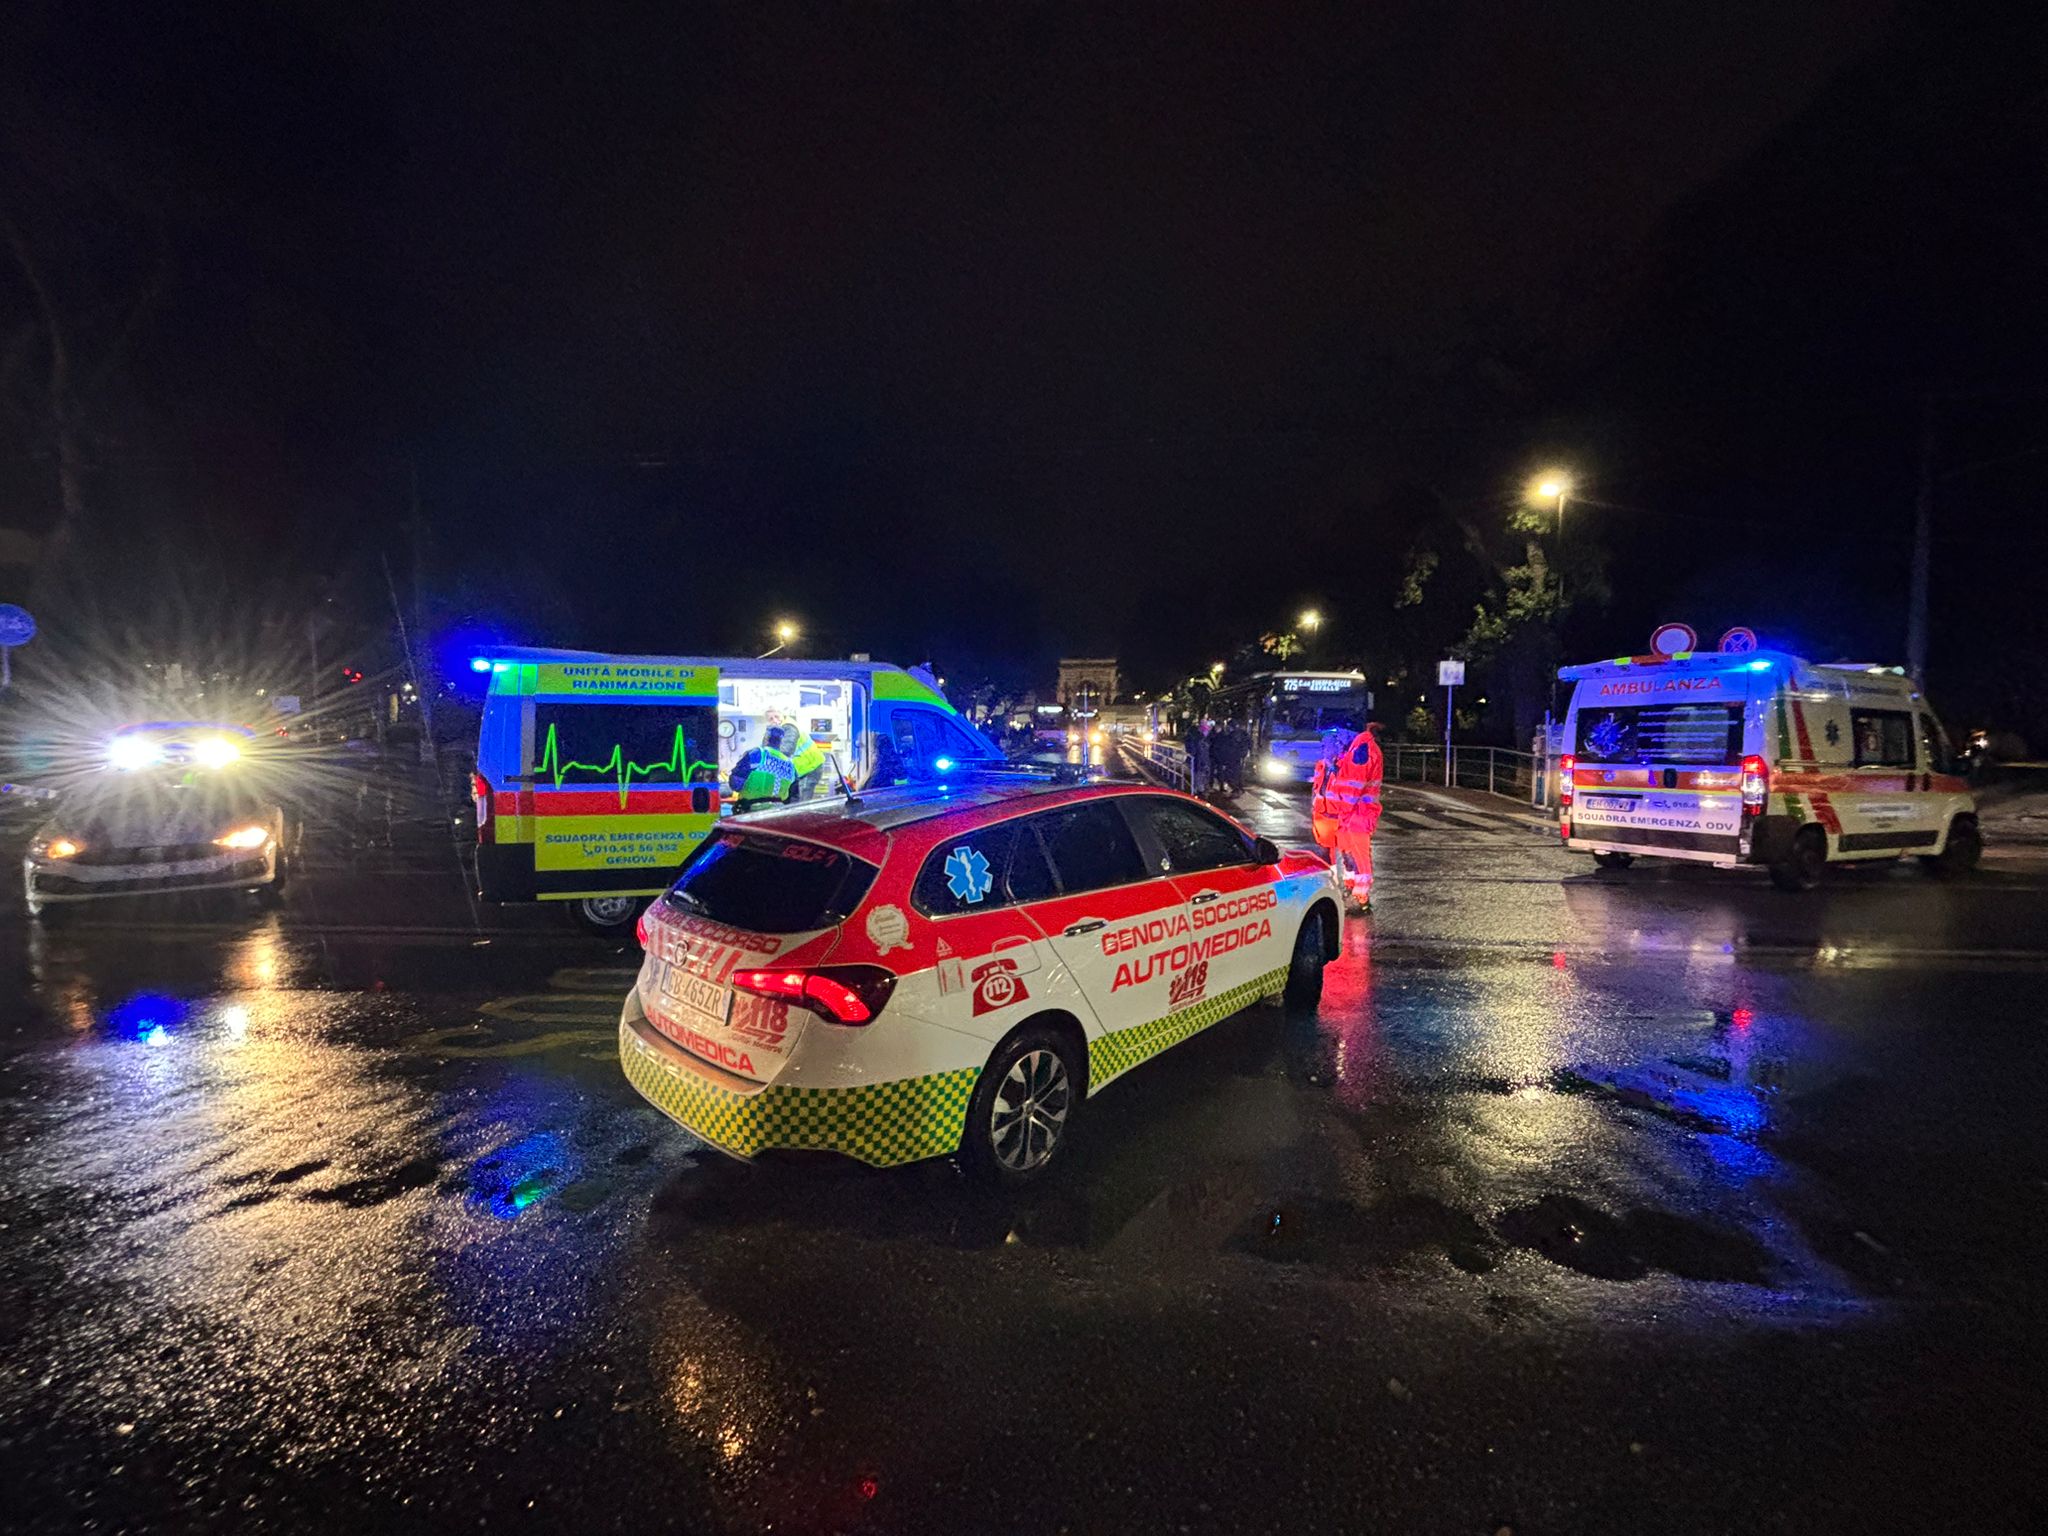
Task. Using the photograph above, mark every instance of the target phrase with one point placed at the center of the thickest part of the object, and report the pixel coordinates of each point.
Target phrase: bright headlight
(252, 836)
(215, 752)
(1275, 768)
(61, 848)
(133, 752)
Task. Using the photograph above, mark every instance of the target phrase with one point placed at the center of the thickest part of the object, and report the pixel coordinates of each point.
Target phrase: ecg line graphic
(676, 766)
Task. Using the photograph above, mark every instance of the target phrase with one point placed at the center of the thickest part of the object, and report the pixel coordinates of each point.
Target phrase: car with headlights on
(173, 807)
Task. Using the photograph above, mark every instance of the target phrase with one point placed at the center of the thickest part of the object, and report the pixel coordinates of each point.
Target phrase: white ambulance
(1759, 757)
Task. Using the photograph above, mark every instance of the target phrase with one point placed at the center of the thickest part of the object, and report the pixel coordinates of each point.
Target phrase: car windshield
(770, 884)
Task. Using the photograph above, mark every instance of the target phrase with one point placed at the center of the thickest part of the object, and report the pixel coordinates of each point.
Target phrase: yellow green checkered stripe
(1122, 1049)
(881, 1123)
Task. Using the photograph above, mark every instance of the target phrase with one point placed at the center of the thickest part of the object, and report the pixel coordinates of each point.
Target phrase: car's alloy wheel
(1029, 1113)
(1022, 1109)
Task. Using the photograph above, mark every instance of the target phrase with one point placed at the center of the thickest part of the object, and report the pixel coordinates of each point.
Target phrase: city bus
(1289, 713)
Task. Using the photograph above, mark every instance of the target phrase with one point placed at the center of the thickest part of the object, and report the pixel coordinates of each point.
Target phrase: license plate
(694, 991)
(1608, 802)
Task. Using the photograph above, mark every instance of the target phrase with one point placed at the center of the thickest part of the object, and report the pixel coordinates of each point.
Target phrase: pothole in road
(1569, 1232)
(1334, 1234)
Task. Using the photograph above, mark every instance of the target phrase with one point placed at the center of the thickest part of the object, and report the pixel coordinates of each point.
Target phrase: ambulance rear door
(621, 780)
(1659, 762)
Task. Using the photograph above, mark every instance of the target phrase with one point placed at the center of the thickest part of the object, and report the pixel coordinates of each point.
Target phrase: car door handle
(1201, 897)
(1086, 925)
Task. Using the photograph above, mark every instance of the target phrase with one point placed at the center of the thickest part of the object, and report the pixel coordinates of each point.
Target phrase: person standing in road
(1344, 811)
(1199, 759)
(1236, 748)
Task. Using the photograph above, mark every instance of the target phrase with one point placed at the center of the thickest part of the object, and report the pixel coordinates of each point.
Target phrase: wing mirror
(1269, 851)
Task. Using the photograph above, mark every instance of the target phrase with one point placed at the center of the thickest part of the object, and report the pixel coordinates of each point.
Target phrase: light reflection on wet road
(1581, 1204)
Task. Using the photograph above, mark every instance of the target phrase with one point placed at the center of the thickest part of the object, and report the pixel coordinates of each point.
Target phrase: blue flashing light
(479, 663)
(943, 764)
(1759, 666)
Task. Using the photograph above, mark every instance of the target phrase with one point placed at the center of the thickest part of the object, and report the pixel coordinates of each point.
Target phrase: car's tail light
(480, 791)
(1567, 767)
(1756, 785)
(845, 994)
(640, 927)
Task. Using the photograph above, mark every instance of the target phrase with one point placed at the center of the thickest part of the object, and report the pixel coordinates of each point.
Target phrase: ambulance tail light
(480, 791)
(1567, 767)
(841, 994)
(1756, 785)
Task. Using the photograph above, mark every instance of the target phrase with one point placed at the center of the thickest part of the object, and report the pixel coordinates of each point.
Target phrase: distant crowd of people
(1217, 755)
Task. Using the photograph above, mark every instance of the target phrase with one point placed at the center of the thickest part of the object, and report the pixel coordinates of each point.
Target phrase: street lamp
(1310, 620)
(785, 632)
(1215, 669)
(1553, 487)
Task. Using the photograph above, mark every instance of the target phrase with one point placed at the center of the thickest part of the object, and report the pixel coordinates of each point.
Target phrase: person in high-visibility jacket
(808, 756)
(1344, 810)
(764, 776)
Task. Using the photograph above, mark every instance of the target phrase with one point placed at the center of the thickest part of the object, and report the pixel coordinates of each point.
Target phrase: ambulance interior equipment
(1760, 758)
(821, 707)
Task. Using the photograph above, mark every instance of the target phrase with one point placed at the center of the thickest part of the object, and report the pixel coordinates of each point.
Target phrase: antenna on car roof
(852, 800)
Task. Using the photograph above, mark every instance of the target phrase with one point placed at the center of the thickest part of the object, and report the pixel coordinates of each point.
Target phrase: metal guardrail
(1168, 760)
(1502, 771)
(1497, 770)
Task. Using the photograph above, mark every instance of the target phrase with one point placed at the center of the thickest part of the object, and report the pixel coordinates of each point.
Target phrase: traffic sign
(1739, 640)
(1670, 639)
(1450, 674)
(17, 627)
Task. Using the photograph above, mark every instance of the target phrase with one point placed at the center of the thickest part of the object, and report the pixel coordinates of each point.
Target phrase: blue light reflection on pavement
(514, 1178)
(150, 1017)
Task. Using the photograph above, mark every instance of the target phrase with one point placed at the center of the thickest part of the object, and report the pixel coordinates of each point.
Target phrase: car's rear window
(770, 884)
(1692, 734)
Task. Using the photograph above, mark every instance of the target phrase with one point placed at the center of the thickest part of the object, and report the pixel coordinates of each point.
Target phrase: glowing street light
(785, 632)
(1553, 487)
(1215, 669)
(1310, 620)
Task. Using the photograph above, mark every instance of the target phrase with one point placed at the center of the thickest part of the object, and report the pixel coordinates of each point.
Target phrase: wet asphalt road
(1649, 1202)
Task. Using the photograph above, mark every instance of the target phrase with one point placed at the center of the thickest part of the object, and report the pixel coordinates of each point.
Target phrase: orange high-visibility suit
(1344, 810)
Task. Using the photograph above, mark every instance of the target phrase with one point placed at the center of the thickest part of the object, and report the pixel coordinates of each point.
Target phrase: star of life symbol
(967, 874)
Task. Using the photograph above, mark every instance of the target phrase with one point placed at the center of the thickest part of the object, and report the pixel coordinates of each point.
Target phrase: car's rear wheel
(1960, 854)
(1614, 860)
(1800, 869)
(607, 917)
(1305, 970)
(1022, 1110)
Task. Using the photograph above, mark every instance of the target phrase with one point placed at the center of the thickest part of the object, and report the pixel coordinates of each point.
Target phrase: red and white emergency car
(920, 972)
(1760, 757)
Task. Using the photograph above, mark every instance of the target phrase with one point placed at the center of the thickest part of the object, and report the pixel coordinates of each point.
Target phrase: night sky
(992, 332)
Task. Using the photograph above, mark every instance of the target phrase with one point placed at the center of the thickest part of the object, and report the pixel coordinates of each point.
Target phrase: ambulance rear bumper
(1763, 840)
(505, 873)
